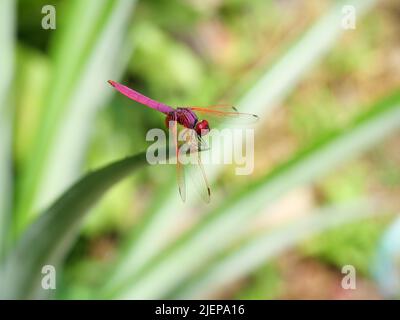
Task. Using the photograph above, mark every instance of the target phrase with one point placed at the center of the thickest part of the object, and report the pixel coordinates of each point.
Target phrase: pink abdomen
(138, 97)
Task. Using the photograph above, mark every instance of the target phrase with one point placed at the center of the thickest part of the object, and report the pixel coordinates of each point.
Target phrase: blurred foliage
(197, 52)
(346, 184)
(32, 78)
(353, 244)
(263, 284)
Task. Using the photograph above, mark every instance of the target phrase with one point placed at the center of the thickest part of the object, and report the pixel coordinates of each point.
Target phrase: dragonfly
(195, 126)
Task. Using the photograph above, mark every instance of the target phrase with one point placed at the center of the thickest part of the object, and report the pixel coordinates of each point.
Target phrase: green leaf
(266, 94)
(386, 265)
(221, 227)
(89, 48)
(49, 238)
(7, 16)
(256, 252)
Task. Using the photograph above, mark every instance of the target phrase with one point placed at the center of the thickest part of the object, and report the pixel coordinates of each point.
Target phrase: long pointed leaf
(90, 32)
(264, 247)
(272, 88)
(221, 227)
(48, 239)
(7, 16)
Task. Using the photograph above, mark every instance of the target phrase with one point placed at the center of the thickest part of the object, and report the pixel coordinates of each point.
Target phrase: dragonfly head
(202, 127)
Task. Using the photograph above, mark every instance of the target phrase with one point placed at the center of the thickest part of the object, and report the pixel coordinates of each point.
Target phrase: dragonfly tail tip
(111, 82)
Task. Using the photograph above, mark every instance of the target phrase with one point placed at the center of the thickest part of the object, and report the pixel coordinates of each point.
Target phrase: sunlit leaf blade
(220, 228)
(48, 239)
(93, 34)
(262, 248)
(271, 88)
(7, 16)
(284, 75)
(386, 267)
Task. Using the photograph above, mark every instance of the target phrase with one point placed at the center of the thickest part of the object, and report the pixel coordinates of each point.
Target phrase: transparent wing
(217, 107)
(221, 113)
(194, 145)
(199, 175)
(180, 173)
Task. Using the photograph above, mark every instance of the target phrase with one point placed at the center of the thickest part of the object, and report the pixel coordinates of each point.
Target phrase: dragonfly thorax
(183, 116)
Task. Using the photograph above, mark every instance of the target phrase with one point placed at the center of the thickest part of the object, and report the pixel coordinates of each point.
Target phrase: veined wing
(198, 178)
(180, 173)
(220, 113)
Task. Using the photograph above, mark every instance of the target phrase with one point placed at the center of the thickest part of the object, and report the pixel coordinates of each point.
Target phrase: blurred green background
(326, 187)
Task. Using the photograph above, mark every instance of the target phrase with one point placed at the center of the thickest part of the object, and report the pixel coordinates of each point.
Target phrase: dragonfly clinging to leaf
(188, 118)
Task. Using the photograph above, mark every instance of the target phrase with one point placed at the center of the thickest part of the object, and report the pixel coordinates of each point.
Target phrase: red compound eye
(202, 127)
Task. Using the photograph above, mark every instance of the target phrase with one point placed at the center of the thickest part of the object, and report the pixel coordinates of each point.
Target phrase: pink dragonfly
(187, 117)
